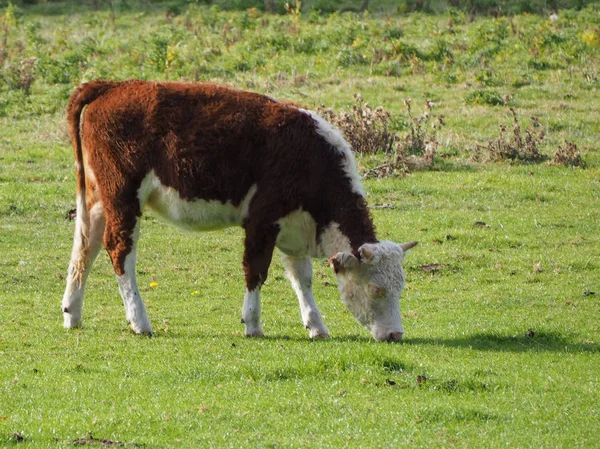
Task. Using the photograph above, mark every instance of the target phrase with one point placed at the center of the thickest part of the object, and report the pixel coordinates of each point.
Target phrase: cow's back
(205, 141)
(214, 143)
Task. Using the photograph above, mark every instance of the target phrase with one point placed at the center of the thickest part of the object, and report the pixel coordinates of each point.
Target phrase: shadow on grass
(540, 341)
(295, 338)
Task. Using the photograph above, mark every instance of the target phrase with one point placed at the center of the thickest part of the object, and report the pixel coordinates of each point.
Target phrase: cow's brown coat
(209, 142)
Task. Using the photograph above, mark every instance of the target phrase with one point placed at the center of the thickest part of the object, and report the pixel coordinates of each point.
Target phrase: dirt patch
(481, 224)
(90, 440)
(432, 267)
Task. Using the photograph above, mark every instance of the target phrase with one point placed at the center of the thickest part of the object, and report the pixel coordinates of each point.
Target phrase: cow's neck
(349, 227)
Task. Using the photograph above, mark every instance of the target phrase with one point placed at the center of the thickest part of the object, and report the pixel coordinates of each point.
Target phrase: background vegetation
(501, 310)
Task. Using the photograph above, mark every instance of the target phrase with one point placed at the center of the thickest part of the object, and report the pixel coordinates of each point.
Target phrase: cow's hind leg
(85, 251)
(299, 272)
(259, 245)
(120, 239)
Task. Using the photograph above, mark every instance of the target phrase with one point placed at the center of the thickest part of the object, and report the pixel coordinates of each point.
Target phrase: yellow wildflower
(591, 37)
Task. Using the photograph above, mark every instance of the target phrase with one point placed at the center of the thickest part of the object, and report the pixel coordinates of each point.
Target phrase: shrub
(157, 55)
(350, 56)
(62, 70)
(485, 96)
(568, 155)
(514, 146)
(416, 150)
(19, 76)
(366, 129)
(369, 131)
(392, 33)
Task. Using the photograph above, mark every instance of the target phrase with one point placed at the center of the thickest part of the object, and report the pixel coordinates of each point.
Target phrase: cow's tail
(82, 96)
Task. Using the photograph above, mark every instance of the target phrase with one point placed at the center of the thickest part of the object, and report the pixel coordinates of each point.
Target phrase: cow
(205, 156)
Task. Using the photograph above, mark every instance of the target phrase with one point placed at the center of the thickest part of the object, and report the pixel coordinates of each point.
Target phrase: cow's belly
(197, 215)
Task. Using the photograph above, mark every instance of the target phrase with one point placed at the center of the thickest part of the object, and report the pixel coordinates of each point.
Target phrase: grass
(501, 345)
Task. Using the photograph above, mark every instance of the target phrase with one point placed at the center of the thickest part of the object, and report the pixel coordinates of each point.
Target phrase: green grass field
(501, 310)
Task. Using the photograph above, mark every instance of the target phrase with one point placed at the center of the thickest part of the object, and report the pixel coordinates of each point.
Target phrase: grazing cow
(204, 157)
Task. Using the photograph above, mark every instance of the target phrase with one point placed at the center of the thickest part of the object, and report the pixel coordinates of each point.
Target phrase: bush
(62, 70)
(19, 76)
(568, 155)
(369, 131)
(485, 96)
(366, 129)
(514, 146)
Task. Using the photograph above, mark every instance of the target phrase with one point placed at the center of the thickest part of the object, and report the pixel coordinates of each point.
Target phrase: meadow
(501, 310)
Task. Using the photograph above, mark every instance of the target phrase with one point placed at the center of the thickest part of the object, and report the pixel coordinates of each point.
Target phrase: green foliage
(485, 96)
(63, 69)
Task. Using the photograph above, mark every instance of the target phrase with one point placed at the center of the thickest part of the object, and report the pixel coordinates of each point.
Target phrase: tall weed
(514, 146)
(367, 129)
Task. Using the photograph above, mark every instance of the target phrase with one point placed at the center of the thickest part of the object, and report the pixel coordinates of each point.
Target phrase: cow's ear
(342, 261)
(366, 254)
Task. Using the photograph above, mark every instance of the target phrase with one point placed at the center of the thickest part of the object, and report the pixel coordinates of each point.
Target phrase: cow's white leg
(85, 251)
(299, 272)
(251, 313)
(135, 311)
(258, 251)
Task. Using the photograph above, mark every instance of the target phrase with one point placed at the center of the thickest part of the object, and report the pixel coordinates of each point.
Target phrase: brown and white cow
(204, 157)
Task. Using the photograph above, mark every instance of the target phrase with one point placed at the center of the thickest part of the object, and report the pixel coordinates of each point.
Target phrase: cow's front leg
(121, 244)
(299, 272)
(251, 313)
(259, 245)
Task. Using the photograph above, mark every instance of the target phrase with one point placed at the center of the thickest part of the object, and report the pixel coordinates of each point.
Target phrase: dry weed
(568, 155)
(417, 149)
(20, 76)
(514, 146)
(368, 131)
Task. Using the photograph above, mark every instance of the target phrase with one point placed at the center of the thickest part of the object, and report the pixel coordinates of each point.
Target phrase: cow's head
(370, 284)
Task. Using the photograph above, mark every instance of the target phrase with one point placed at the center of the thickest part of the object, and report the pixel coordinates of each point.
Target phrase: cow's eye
(375, 291)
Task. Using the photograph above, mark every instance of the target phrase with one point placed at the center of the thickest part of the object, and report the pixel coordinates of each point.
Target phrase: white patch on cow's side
(333, 241)
(197, 215)
(135, 311)
(297, 237)
(297, 234)
(335, 139)
(299, 272)
(251, 313)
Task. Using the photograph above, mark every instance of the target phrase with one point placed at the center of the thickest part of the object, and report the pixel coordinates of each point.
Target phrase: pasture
(501, 311)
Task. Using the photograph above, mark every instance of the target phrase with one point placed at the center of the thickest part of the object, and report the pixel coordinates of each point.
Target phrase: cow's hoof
(71, 322)
(319, 333)
(256, 333)
(142, 329)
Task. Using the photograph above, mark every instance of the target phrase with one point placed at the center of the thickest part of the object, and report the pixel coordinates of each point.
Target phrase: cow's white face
(371, 284)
